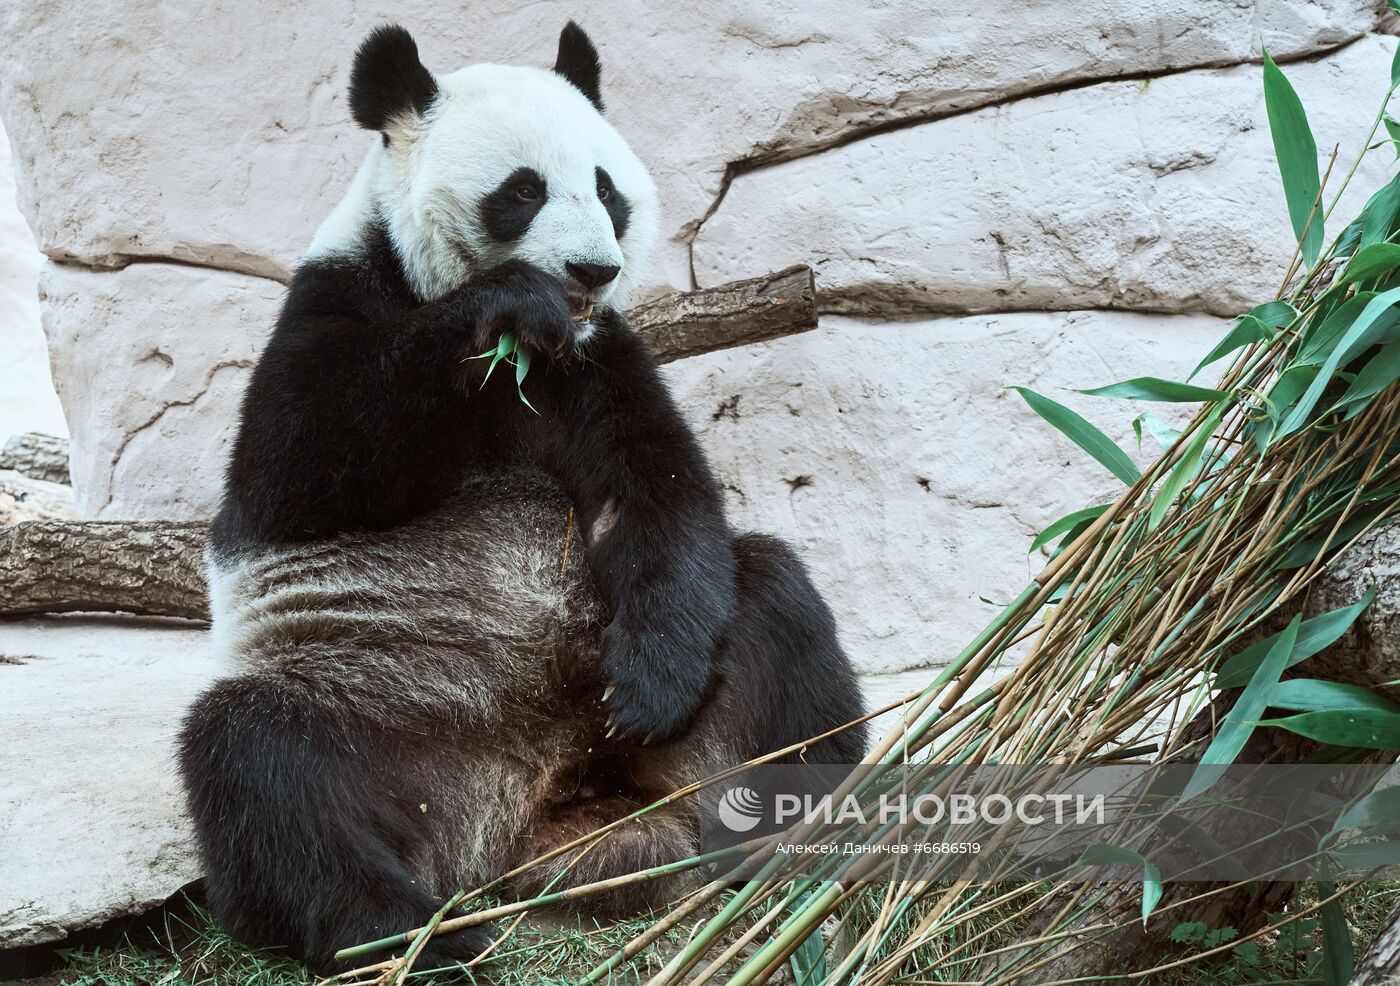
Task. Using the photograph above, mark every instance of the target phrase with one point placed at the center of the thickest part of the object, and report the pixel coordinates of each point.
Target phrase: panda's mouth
(580, 308)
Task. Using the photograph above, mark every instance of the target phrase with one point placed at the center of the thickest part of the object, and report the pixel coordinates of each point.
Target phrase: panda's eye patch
(619, 209)
(508, 211)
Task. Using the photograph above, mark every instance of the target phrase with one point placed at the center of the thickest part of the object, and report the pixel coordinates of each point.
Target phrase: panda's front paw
(520, 298)
(654, 683)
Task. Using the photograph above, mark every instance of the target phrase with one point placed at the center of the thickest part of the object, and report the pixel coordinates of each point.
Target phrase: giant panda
(431, 687)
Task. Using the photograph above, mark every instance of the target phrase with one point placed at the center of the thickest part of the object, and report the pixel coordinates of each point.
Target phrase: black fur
(301, 839)
(508, 210)
(578, 62)
(364, 411)
(619, 209)
(388, 80)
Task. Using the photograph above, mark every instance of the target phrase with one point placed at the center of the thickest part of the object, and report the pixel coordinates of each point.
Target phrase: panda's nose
(591, 276)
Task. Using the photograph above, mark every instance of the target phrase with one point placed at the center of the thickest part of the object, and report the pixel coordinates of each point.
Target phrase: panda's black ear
(578, 62)
(388, 80)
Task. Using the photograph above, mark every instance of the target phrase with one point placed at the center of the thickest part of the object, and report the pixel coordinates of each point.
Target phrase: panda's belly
(473, 607)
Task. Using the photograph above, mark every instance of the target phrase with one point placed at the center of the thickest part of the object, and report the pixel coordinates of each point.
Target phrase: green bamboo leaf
(1380, 371)
(1296, 152)
(1392, 127)
(1164, 434)
(1371, 261)
(1313, 636)
(1106, 855)
(1323, 334)
(1184, 471)
(809, 961)
(1338, 959)
(1369, 855)
(1378, 217)
(1240, 720)
(1354, 335)
(1315, 695)
(1379, 809)
(1370, 729)
(1249, 329)
(1082, 433)
(1154, 389)
(1395, 67)
(1065, 523)
(505, 345)
(522, 367)
(1274, 314)
(1310, 550)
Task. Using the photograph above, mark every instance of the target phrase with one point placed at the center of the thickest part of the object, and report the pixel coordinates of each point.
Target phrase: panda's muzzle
(580, 308)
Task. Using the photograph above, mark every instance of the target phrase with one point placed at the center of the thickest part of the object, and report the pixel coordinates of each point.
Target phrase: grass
(186, 947)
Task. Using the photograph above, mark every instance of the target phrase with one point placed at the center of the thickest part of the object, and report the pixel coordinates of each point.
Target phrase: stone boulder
(1152, 195)
(91, 812)
(223, 138)
(912, 481)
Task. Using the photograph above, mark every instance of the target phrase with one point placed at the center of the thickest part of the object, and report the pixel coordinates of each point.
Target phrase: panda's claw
(607, 692)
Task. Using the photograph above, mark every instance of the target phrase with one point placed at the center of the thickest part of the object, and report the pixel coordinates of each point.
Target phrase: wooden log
(23, 498)
(154, 568)
(149, 568)
(736, 314)
(1379, 965)
(37, 456)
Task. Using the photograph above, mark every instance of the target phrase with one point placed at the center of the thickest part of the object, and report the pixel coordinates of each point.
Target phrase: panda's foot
(654, 686)
(446, 956)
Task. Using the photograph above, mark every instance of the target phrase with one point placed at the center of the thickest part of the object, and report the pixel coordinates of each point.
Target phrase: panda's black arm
(348, 423)
(358, 414)
(658, 543)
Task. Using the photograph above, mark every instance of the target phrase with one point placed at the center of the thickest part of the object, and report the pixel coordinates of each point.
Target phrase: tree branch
(736, 314)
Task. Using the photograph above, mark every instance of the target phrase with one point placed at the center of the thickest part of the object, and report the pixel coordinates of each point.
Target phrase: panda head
(494, 163)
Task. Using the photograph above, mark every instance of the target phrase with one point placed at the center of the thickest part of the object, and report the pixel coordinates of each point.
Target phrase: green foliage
(1296, 152)
(1313, 635)
(1197, 933)
(1369, 729)
(1338, 957)
(1069, 522)
(1106, 855)
(1240, 720)
(1074, 427)
(1156, 389)
(508, 349)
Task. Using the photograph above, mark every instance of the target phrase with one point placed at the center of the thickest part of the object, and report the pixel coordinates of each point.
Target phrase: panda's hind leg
(609, 789)
(783, 677)
(303, 834)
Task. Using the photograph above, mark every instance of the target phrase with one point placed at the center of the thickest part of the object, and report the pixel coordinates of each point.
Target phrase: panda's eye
(603, 193)
(526, 192)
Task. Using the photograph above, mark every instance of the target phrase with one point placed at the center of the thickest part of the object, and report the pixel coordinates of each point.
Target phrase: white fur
(487, 121)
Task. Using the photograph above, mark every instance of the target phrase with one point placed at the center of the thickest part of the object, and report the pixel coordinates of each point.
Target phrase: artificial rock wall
(1059, 194)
